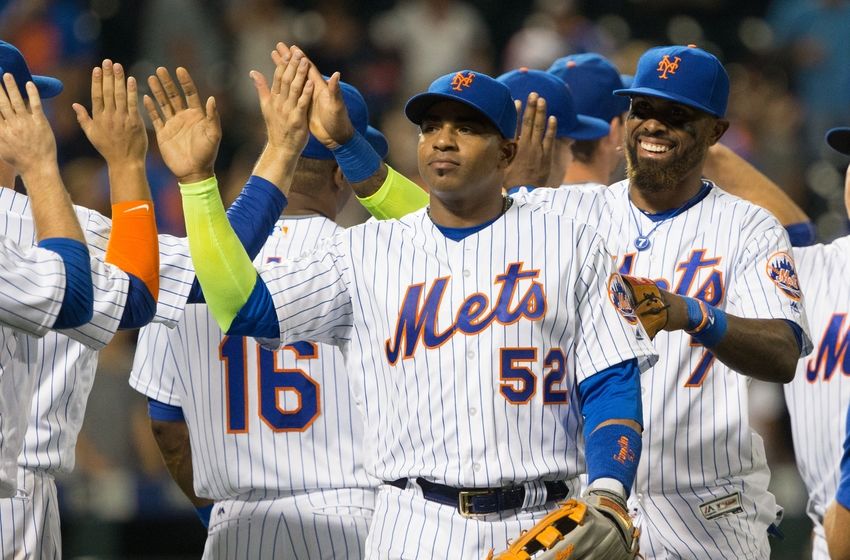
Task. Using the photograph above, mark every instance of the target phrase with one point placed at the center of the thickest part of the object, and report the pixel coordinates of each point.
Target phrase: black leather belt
(479, 501)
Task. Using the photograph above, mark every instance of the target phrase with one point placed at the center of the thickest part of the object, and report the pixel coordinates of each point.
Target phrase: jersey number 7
(271, 382)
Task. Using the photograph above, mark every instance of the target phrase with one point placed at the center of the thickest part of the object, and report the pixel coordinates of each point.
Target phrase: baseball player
(44, 287)
(731, 284)
(592, 79)
(819, 395)
(286, 472)
(472, 353)
(553, 97)
(65, 363)
(837, 515)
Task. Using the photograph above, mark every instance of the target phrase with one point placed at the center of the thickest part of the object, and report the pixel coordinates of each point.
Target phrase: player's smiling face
(667, 142)
(460, 151)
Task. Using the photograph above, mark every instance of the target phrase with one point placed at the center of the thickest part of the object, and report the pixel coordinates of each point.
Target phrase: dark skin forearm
(172, 438)
(371, 185)
(835, 524)
(763, 349)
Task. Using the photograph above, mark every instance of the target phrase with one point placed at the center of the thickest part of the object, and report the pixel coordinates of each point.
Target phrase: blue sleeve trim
(257, 317)
(842, 495)
(798, 333)
(140, 307)
(204, 514)
(252, 216)
(801, 234)
(612, 393)
(164, 412)
(77, 302)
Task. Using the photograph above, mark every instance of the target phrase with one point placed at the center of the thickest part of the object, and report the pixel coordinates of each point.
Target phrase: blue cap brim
(589, 128)
(651, 92)
(47, 86)
(419, 104)
(839, 139)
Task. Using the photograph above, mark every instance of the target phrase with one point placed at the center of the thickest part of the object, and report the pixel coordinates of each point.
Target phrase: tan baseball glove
(648, 303)
(595, 527)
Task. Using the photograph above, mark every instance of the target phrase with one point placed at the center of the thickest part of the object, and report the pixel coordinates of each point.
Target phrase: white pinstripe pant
(29, 522)
(320, 524)
(672, 526)
(407, 526)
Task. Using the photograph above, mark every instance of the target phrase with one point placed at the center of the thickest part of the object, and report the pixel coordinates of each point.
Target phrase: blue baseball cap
(592, 80)
(839, 139)
(686, 75)
(359, 115)
(477, 90)
(12, 61)
(559, 102)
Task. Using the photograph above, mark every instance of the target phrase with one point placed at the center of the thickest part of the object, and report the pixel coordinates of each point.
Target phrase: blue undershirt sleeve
(164, 412)
(77, 302)
(257, 317)
(252, 216)
(140, 307)
(801, 234)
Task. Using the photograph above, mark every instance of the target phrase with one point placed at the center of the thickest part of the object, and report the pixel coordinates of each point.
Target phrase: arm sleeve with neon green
(222, 266)
(397, 197)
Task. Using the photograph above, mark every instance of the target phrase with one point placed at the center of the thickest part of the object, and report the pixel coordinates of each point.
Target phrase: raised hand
(187, 132)
(27, 142)
(535, 143)
(286, 105)
(115, 127)
(329, 120)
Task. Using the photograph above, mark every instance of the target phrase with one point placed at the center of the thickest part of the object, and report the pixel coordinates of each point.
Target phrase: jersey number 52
(271, 382)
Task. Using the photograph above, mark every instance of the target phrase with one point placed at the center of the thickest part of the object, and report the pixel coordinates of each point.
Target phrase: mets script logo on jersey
(417, 319)
(619, 295)
(780, 269)
(831, 351)
(460, 81)
(668, 66)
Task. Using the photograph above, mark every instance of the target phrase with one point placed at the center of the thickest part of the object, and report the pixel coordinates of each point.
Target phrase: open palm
(188, 133)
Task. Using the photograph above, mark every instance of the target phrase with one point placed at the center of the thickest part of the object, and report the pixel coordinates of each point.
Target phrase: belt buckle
(464, 501)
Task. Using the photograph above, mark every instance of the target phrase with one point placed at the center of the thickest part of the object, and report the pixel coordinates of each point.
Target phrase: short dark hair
(313, 175)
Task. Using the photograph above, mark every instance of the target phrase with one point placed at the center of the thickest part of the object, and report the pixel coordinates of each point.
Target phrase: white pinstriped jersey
(464, 356)
(63, 363)
(731, 254)
(263, 422)
(818, 397)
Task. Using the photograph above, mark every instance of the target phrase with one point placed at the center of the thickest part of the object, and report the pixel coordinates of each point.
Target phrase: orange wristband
(133, 242)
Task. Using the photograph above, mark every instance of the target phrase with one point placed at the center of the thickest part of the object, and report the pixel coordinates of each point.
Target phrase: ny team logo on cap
(666, 65)
(460, 81)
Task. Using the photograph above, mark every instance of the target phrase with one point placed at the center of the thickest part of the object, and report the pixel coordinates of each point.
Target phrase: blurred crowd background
(788, 60)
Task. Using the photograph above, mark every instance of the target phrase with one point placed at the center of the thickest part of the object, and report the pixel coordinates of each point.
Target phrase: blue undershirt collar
(660, 216)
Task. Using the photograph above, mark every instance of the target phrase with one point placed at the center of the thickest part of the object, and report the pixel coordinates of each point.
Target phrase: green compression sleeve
(397, 197)
(223, 268)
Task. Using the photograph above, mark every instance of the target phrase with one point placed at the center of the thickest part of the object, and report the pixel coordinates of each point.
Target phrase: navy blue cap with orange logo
(12, 61)
(477, 90)
(684, 74)
(592, 79)
(358, 113)
(559, 102)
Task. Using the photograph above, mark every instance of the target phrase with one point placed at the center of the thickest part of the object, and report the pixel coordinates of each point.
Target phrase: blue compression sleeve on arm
(252, 216)
(357, 159)
(612, 451)
(801, 234)
(164, 412)
(257, 317)
(77, 302)
(140, 307)
(842, 495)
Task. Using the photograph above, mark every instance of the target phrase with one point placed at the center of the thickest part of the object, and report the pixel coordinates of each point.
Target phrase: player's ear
(719, 129)
(340, 182)
(507, 152)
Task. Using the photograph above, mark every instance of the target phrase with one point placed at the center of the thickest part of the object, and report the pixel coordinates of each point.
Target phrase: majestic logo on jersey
(780, 269)
(831, 351)
(619, 295)
(666, 66)
(460, 81)
(273, 260)
(719, 507)
(417, 319)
